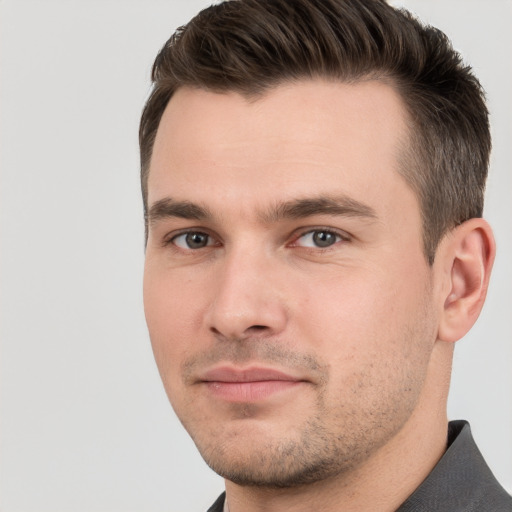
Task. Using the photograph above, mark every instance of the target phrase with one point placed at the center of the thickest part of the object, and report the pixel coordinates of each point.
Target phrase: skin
(334, 292)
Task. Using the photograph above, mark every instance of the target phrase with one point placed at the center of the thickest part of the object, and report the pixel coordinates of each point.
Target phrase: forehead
(295, 139)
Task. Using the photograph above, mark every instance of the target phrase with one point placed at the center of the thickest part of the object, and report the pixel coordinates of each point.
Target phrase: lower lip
(249, 391)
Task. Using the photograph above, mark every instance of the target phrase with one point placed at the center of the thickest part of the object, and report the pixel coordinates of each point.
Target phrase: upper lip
(254, 374)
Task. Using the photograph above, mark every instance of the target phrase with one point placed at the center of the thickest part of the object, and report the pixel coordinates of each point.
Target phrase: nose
(249, 297)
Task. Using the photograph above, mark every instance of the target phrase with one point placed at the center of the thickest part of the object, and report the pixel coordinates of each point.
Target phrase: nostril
(250, 331)
(258, 327)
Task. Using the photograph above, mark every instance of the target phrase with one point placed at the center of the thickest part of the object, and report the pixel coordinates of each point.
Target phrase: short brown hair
(250, 46)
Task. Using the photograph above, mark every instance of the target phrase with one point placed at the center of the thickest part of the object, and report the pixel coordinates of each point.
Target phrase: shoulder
(461, 480)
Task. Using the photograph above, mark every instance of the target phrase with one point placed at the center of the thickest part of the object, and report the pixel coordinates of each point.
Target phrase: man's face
(287, 296)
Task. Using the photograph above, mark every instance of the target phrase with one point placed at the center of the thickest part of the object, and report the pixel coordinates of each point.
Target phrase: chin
(291, 459)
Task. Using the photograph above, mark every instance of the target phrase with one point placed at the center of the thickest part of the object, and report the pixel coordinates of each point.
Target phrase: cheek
(171, 310)
(364, 314)
(345, 303)
(376, 340)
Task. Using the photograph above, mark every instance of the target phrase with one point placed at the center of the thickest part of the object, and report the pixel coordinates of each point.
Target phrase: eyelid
(344, 236)
(168, 239)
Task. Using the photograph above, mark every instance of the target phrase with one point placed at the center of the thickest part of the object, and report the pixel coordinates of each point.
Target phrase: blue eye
(320, 238)
(192, 240)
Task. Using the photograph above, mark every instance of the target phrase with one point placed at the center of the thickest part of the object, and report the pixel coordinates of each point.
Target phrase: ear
(468, 258)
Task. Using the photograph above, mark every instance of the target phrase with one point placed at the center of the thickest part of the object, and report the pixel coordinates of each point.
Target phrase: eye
(192, 240)
(321, 238)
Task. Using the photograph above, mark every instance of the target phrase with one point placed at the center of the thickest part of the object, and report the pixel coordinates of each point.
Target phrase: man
(313, 175)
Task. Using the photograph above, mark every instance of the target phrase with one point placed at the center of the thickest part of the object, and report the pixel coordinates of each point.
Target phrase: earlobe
(470, 256)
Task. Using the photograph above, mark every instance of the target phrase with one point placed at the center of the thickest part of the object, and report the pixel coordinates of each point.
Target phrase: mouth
(247, 385)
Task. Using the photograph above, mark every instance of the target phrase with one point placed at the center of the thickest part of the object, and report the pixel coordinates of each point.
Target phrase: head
(313, 174)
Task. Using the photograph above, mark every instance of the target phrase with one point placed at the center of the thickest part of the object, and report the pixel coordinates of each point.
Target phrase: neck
(384, 480)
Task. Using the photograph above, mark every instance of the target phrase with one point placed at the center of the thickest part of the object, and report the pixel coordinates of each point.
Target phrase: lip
(253, 374)
(247, 385)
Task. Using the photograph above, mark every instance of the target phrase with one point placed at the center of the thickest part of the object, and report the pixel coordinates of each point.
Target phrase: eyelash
(171, 240)
(339, 237)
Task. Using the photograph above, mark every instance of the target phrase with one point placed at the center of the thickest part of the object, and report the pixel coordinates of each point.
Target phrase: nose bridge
(247, 295)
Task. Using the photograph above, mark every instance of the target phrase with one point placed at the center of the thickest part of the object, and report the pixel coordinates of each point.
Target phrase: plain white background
(85, 424)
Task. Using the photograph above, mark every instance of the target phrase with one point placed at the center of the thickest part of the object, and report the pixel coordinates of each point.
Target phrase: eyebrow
(167, 207)
(323, 205)
(294, 209)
